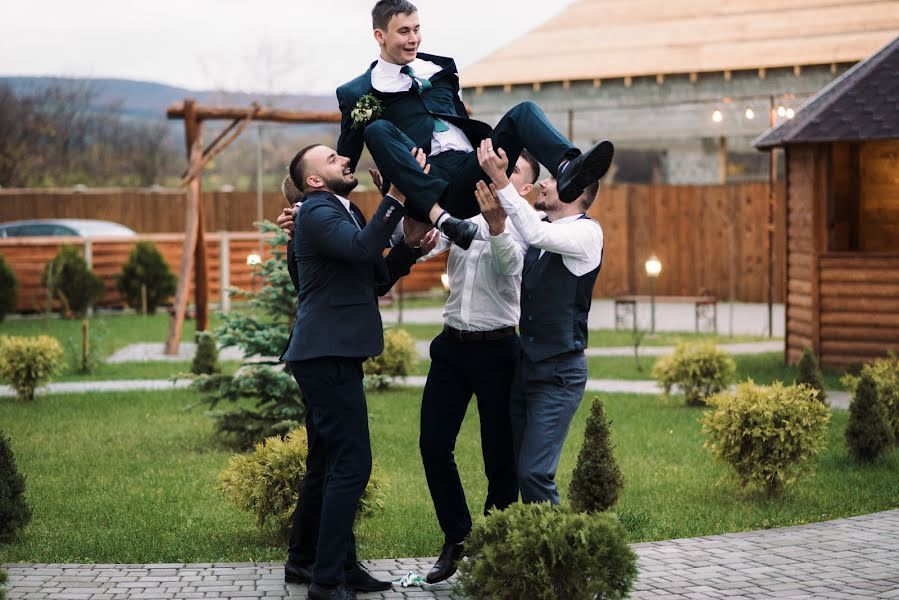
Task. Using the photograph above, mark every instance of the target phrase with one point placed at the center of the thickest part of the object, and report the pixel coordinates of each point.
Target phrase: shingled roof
(606, 39)
(862, 104)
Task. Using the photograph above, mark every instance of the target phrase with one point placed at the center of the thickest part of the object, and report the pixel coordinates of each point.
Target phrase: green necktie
(421, 86)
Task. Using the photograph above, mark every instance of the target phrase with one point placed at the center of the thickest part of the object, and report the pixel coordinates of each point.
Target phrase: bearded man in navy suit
(407, 99)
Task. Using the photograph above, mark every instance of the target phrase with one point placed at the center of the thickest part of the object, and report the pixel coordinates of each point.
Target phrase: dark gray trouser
(545, 396)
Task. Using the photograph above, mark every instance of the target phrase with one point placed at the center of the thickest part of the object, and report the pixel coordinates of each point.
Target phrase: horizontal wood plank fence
(709, 239)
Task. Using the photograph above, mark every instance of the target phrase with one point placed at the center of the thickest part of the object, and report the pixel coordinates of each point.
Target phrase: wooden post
(201, 275)
(143, 299)
(722, 160)
(225, 269)
(195, 149)
(85, 345)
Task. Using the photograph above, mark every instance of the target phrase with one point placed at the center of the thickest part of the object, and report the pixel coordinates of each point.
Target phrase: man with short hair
(480, 316)
(339, 270)
(558, 274)
(417, 104)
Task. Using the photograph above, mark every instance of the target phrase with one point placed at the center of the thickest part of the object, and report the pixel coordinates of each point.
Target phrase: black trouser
(454, 175)
(340, 463)
(458, 370)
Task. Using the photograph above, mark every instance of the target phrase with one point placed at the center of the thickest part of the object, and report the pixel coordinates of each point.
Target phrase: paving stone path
(846, 559)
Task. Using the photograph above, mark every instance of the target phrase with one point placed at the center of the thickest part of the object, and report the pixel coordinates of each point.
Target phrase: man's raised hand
(286, 218)
(494, 164)
(491, 209)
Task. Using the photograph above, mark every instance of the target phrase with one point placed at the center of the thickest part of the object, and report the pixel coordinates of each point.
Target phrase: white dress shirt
(386, 77)
(485, 280)
(578, 240)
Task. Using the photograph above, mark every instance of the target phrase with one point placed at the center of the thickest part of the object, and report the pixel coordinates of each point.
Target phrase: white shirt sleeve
(508, 253)
(579, 241)
(443, 244)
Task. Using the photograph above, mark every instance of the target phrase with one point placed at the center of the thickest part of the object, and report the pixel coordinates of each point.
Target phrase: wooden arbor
(193, 257)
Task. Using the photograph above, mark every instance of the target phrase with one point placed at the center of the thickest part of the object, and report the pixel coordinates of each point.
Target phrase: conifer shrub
(146, 267)
(266, 482)
(3, 580)
(14, 510)
(767, 434)
(28, 362)
(206, 360)
(9, 289)
(271, 398)
(699, 369)
(397, 360)
(545, 552)
(810, 373)
(597, 480)
(868, 432)
(68, 279)
(885, 373)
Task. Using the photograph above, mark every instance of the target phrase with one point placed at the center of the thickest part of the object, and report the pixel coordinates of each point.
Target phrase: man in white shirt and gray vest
(480, 316)
(558, 274)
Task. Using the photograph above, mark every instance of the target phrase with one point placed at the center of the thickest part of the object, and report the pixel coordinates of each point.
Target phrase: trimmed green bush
(545, 552)
(14, 511)
(206, 360)
(9, 289)
(885, 373)
(3, 580)
(266, 482)
(699, 369)
(597, 480)
(146, 267)
(810, 373)
(868, 432)
(28, 362)
(767, 434)
(397, 360)
(70, 280)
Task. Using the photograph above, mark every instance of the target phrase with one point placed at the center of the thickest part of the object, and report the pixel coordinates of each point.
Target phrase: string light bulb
(790, 113)
(717, 116)
(749, 114)
(781, 111)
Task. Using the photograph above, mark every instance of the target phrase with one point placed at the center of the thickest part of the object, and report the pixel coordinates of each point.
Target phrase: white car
(86, 228)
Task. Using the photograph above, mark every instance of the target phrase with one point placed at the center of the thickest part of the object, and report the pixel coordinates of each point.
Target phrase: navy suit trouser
(332, 389)
(454, 175)
(458, 370)
(545, 396)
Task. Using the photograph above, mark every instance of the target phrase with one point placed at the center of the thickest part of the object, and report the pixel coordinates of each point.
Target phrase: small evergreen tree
(146, 268)
(206, 360)
(810, 373)
(868, 433)
(14, 511)
(3, 581)
(70, 280)
(597, 480)
(9, 289)
(261, 332)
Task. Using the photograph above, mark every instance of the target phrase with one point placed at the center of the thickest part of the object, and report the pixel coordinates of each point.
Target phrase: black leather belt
(478, 336)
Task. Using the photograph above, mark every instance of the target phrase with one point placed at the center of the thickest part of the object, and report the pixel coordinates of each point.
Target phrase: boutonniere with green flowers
(368, 108)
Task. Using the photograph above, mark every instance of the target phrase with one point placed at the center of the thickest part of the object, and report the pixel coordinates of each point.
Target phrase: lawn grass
(762, 368)
(133, 478)
(607, 338)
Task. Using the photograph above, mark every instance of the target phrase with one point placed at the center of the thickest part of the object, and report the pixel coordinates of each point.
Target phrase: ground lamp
(653, 268)
(253, 260)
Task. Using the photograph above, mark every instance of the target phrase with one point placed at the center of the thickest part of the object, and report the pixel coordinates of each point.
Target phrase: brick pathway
(844, 559)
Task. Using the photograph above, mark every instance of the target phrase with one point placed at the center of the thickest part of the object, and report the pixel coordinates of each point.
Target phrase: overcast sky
(261, 45)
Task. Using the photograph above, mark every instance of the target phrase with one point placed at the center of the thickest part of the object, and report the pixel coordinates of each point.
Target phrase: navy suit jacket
(340, 271)
(411, 112)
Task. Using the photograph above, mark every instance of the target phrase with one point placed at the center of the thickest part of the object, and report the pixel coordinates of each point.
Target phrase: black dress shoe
(584, 170)
(460, 232)
(359, 579)
(447, 563)
(341, 592)
(296, 573)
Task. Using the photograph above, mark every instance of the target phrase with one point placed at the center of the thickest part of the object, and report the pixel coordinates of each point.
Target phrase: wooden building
(842, 215)
(682, 87)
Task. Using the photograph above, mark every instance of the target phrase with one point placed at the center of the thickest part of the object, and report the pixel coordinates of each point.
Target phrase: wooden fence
(708, 238)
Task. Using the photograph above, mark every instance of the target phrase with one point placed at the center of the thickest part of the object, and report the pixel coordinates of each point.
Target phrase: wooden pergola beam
(176, 111)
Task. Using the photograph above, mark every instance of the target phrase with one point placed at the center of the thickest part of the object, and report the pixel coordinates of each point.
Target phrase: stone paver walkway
(846, 559)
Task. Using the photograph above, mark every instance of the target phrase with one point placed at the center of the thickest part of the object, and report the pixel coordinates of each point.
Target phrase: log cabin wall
(806, 169)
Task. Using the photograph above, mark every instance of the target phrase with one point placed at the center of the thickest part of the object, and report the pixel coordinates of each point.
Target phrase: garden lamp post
(253, 260)
(653, 268)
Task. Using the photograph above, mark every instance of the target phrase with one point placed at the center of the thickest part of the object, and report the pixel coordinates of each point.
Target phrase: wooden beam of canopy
(176, 111)
(194, 254)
